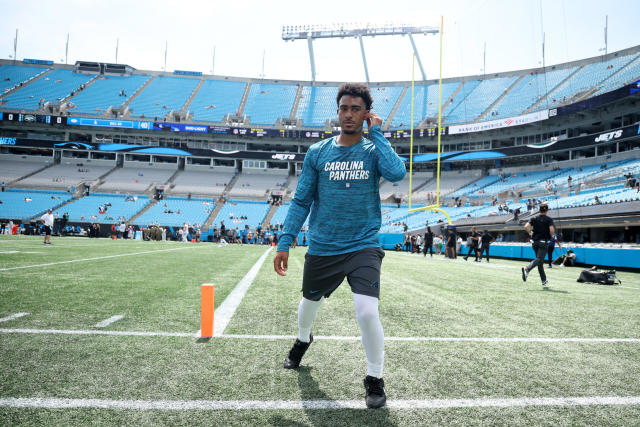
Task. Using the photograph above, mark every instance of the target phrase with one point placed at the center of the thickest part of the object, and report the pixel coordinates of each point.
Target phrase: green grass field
(466, 343)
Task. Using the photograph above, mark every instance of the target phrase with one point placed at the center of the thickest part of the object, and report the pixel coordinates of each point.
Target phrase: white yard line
(93, 259)
(13, 316)
(319, 337)
(225, 311)
(270, 405)
(107, 322)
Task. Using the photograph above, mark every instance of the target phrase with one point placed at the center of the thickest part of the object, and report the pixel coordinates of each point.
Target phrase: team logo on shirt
(340, 171)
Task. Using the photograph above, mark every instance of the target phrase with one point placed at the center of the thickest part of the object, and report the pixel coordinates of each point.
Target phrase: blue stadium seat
(163, 95)
(215, 99)
(268, 102)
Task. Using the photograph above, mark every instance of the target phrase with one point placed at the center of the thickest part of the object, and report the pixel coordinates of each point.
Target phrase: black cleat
(525, 273)
(375, 395)
(545, 283)
(292, 361)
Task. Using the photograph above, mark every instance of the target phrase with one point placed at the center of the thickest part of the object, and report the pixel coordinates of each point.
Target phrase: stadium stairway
(28, 82)
(143, 210)
(544, 98)
(185, 107)
(387, 124)
(66, 101)
(172, 178)
(296, 101)
(212, 217)
(267, 219)
(494, 103)
(245, 96)
(125, 105)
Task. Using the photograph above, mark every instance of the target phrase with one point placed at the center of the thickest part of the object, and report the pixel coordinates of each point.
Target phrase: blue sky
(242, 31)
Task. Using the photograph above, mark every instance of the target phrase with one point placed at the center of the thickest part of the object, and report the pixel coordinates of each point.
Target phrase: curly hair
(356, 90)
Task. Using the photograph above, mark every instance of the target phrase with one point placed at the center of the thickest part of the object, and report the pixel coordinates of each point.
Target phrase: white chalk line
(226, 310)
(271, 405)
(13, 316)
(107, 322)
(93, 259)
(321, 337)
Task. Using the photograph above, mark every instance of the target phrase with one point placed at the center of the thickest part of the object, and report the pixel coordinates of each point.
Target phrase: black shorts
(323, 274)
(47, 230)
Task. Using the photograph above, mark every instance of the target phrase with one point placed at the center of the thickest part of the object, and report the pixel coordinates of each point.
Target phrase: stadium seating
(281, 214)
(22, 204)
(467, 88)
(268, 102)
(531, 89)
(86, 209)
(628, 74)
(484, 94)
(12, 169)
(69, 174)
(234, 210)
(587, 78)
(317, 104)
(135, 179)
(13, 75)
(105, 92)
(161, 96)
(384, 99)
(201, 182)
(175, 211)
(425, 103)
(53, 87)
(257, 185)
(215, 99)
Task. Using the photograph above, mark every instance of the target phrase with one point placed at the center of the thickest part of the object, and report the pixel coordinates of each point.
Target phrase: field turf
(466, 343)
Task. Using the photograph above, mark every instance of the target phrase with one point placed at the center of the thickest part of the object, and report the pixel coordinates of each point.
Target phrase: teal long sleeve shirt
(339, 189)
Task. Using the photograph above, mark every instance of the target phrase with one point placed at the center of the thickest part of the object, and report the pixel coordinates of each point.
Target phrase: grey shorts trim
(323, 274)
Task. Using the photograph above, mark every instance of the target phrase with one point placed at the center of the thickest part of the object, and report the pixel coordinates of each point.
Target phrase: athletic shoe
(295, 354)
(465, 258)
(562, 266)
(525, 273)
(375, 395)
(545, 283)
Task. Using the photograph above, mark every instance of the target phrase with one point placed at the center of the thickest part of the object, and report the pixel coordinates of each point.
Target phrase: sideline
(94, 259)
(235, 405)
(320, 337)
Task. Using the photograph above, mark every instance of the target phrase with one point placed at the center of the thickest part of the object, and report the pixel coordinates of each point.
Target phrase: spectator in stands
(3, 187)
(597, 200)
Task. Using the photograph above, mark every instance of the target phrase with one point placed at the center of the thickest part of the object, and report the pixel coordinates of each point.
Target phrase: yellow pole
(413, 66)
(439, 115)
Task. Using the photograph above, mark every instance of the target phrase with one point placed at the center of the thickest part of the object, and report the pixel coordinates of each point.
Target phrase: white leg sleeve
(372, 333)
(307, 311)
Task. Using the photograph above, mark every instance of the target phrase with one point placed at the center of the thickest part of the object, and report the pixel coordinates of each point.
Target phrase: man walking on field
(339, 186)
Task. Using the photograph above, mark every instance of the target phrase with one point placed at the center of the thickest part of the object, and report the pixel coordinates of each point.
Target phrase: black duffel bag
(601, 277)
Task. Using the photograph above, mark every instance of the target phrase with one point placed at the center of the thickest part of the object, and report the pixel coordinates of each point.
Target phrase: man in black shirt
(428, 242)
(486, 240)
(541, 230)
(475, 239)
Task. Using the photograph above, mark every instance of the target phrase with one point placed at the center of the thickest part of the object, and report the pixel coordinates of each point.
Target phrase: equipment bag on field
(600, 277)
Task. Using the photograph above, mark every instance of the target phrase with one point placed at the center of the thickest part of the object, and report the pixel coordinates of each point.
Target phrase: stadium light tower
(312, 32)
